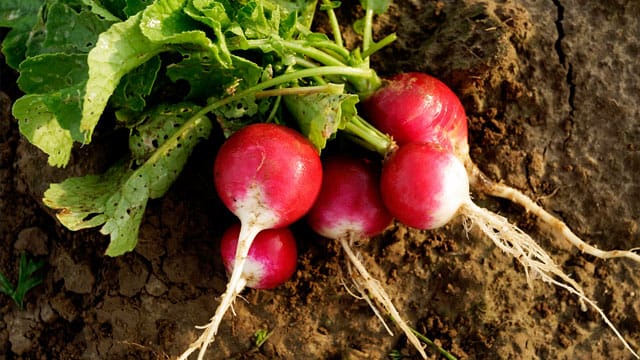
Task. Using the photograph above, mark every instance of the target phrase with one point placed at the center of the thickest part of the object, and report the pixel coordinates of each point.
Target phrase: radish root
(362, 295)
(234, 287)
(487, 186)
(377, 292)
(515, 242)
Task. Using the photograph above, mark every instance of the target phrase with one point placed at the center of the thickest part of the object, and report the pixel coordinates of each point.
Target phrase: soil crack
(563, 61)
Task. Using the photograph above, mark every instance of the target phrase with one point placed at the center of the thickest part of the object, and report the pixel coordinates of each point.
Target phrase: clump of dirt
(551, 91)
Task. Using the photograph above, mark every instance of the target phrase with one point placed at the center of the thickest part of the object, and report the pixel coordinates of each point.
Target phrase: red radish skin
(349, 208)
(424, 186)
(416, 107)
(271, 260)
(270, 168)
(349, 200)
(268, 175)
(428, 168)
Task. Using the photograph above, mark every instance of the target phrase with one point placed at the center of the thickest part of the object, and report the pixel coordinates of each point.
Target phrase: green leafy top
(239, 62)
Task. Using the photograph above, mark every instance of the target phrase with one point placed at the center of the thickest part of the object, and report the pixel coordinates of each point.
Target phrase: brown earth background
(552, 92)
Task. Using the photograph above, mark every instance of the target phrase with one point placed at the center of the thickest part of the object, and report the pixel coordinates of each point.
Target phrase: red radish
(268, 175)
(271, 260)
(349, 208)
(425, 185)
(416, 107)
(349, 200)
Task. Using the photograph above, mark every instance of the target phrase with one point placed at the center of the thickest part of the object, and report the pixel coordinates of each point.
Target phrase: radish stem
(335, 25)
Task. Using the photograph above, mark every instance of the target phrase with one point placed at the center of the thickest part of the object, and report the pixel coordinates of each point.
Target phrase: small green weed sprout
(261, 336)
(28, 278)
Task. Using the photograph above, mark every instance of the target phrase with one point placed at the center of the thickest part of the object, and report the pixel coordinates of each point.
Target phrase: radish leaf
(117, 198)
(129, 44)
(321, 115)
(135, 86)
(20, 16)
(119, 50)
(42, 129)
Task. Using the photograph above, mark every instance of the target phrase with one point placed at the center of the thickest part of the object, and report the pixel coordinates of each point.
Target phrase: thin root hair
(480, 182)
(365, 282)
(535, 260)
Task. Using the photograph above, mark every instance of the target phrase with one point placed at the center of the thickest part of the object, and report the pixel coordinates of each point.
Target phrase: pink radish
(428, 195)
(416, 107)
(425, 186)
(349, 208)
(349, 200)
(268, 175)
(271, 260)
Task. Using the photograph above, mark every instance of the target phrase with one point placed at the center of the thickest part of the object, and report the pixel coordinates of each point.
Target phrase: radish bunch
(268, 175)
(426, 181)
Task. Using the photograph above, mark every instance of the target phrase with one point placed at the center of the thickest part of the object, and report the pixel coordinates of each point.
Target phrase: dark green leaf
(135, 6)
(209, 78)
(65, 29)
(20, 16)
(135, 86)
(36, 76)
(129, 44)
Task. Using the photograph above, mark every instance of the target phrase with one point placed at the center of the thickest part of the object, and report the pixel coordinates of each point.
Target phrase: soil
(552, 91)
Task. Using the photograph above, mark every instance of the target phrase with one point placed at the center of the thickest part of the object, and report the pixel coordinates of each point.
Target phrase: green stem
(285, 78)
(313, 53)
(427, 341)
(301, 90)
(363, 86)
(367, 36)
(379, 45)
(309, 64)
(304, 62)
(335, 26)
(369, 137)
(274, 109)
(301, 47)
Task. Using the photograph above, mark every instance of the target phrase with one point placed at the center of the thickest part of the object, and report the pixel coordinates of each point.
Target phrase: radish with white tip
(268, 175)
